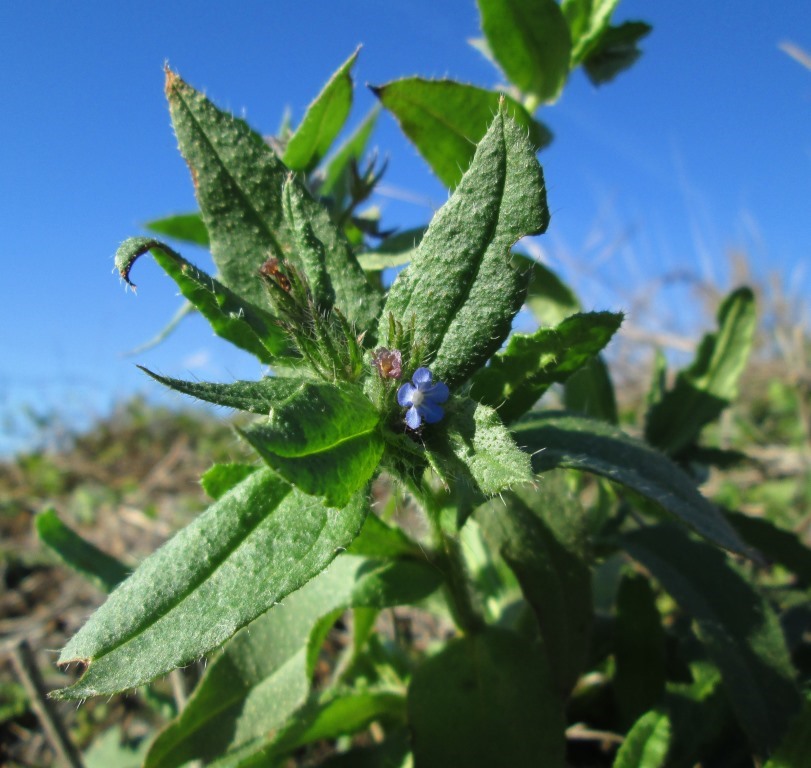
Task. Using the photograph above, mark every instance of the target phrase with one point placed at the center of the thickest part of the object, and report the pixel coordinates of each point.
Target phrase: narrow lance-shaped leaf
(336, 173)
(309, 249)
(321, 437)
(520, 374)
(462, 290)
(531, 41)
(446, 120)
(738, 627)
(262, 677)
(560, 440)
(102, 569)
(486, 699)
(255, 545)
(322, 122)
(543, 536)
(710, 384)
(231, 316)
(239, 181)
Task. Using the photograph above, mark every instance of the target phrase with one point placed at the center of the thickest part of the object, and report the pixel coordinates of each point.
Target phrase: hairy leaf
(255, 545)
(105, 571)
(230, 315)
(239, 180)
(322, 438)
(738, 627)
(561, 440)
(322, 122)
(542, 536)
(446, 120)
(221, 478)
(477, 445)
(710, 384)
(262, 677)
(486, 699)
(520, 374)
(532, 43)
(461, 290)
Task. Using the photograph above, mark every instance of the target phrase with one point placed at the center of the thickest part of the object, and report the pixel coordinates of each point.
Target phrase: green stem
(463, 599)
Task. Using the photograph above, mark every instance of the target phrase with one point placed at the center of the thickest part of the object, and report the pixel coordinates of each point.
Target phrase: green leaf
(639, 649)
(377, 539)
(520, 374)
(336, 174)
(239, 181)
(589, 392)
(336, 713)
(262, 677)
(795, 747)
(231, 316)
(477, 445)
(394, 251)
(615, 51)
(186, 227)
(394, 752)
(560, 440)
(775, 544)
(111, 749)
(588, 20)
(462, 290)
(548, 297)
(221, 478)
(319, 436)
(322, 438)
(646, 744)
(710, 384)
(255, 545)
(739, 629)
(486, 699)
(531, 41)
(542, 535)
(446, 120)
(87, 559)
(322, 122)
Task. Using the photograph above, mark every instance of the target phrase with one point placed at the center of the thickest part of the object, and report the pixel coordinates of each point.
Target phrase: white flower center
(417, 398)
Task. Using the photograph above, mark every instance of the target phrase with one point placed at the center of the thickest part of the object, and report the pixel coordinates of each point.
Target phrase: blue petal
(412, 418)
(422, 378)
(431, 411)
(405, 395)
(438, 393)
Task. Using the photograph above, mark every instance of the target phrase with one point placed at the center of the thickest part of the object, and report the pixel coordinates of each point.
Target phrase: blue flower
(422, 398)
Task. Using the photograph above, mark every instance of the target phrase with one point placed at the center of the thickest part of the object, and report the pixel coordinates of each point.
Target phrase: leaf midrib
(178, 92)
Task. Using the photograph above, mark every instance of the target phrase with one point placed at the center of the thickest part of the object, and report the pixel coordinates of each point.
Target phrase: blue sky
(703, 147)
